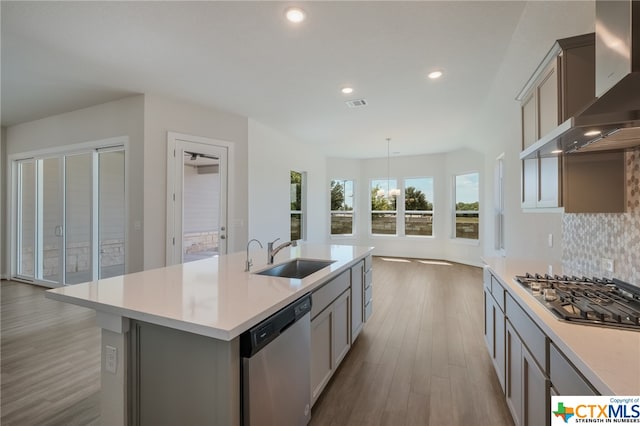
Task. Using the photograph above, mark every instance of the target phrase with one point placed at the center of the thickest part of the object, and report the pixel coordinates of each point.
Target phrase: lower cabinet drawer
(532, 337)
(368, 294)
(368, 263)
(329, 292)
(368, 310)
(565, 379)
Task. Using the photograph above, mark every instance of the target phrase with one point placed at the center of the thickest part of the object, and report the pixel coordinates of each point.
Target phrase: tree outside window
(418, 206)
(467, 206)
(342, 207)
(296, 206)
(384, 212)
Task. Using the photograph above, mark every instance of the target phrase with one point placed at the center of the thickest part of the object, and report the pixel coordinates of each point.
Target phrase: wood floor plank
(50, 367)
(423, 357)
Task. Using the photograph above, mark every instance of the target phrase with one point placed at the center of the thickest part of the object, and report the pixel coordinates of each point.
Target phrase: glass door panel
(201, 206)
(50, 220)
(111, 215)
(78, 201)
(26, 238)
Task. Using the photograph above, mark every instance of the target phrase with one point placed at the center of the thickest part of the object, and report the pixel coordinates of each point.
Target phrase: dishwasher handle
(259, 336)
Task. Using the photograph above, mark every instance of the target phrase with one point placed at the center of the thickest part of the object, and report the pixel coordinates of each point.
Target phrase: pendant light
(390, 192)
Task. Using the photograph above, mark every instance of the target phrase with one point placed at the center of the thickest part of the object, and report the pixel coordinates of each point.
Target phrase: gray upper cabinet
(561, 85)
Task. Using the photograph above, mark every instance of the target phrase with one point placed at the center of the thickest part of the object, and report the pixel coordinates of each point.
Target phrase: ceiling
(244, 57)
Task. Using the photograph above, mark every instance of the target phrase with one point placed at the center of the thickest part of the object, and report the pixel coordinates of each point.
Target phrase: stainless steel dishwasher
(276, 376)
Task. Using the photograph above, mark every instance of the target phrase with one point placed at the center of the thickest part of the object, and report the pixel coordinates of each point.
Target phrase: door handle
(58, 231)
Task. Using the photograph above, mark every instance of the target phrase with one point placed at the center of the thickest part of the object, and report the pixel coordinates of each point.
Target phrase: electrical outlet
(607, 265)
(550, 242)
(111, 359)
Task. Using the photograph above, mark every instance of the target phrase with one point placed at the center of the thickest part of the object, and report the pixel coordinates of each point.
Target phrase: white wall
(272, 156)
(162, 115)
(123, 117)
(497, 129)
(442, 167)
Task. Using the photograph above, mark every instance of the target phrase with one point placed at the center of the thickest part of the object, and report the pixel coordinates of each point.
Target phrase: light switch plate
(550, 240)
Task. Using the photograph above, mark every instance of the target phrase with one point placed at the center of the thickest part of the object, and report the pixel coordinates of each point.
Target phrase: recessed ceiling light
(347, 90)
(295, 15)
(434, 74)
(592, 133)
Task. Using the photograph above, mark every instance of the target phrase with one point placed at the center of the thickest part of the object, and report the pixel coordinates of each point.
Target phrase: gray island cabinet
(171, 336)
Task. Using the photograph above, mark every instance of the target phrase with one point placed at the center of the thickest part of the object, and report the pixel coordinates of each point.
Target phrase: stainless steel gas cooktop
(592, 301)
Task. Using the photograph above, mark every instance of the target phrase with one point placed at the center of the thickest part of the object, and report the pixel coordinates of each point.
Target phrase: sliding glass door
(49, 259)
(26, 218)
(70, 217)
(111, 214)
(78, 176)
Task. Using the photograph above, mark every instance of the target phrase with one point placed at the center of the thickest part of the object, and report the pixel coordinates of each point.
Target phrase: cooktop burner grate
(593, 301)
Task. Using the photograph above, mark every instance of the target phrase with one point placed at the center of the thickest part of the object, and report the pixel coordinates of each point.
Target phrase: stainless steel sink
(297, 268)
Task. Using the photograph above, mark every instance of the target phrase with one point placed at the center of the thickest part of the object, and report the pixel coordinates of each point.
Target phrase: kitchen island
(555, 357)
(206, 305)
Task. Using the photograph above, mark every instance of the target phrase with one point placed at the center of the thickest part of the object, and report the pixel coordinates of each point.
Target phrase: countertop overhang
(211, 297)
(608, 358)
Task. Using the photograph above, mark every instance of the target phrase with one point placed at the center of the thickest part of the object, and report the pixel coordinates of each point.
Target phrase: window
(342, 207)
(418, 206)
(467, 206)
(499, 204)
(297, 205)
(384, 206)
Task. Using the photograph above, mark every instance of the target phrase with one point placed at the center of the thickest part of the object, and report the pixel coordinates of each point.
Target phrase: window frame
(352, 212)
(405, 211)
(303, 205)
(400, 211)
(456, 211)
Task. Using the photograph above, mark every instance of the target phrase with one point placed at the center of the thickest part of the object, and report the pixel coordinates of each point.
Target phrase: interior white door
(197, 198)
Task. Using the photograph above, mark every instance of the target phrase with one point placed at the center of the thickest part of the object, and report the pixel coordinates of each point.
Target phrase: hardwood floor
(420, 359)
(50, 360)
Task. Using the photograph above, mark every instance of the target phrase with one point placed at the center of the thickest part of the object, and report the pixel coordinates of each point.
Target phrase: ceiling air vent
(356, 103)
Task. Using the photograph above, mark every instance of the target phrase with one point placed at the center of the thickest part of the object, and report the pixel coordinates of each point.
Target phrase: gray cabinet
(527, 389)
(330, 330)
(339, 310)
(341, 330)
(321, 353)
(494, 326)
(565, 378)
(357, 299)
(529, 366)
(560, 87)
(527, 386)
(368, 288)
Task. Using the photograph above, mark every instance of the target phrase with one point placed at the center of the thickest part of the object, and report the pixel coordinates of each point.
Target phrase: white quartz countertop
(609, 358)
(212, 297)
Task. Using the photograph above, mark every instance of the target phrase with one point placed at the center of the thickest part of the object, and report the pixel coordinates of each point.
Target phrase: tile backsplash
(587, 238)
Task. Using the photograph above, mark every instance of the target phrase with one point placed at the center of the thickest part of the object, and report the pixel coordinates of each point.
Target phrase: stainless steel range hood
(612, 121)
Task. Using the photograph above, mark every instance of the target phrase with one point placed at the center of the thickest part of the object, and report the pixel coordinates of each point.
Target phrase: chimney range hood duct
(612, 121)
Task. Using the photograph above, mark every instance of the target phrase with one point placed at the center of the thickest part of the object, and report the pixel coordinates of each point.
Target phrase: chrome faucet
(271, 252)
(249, 262)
